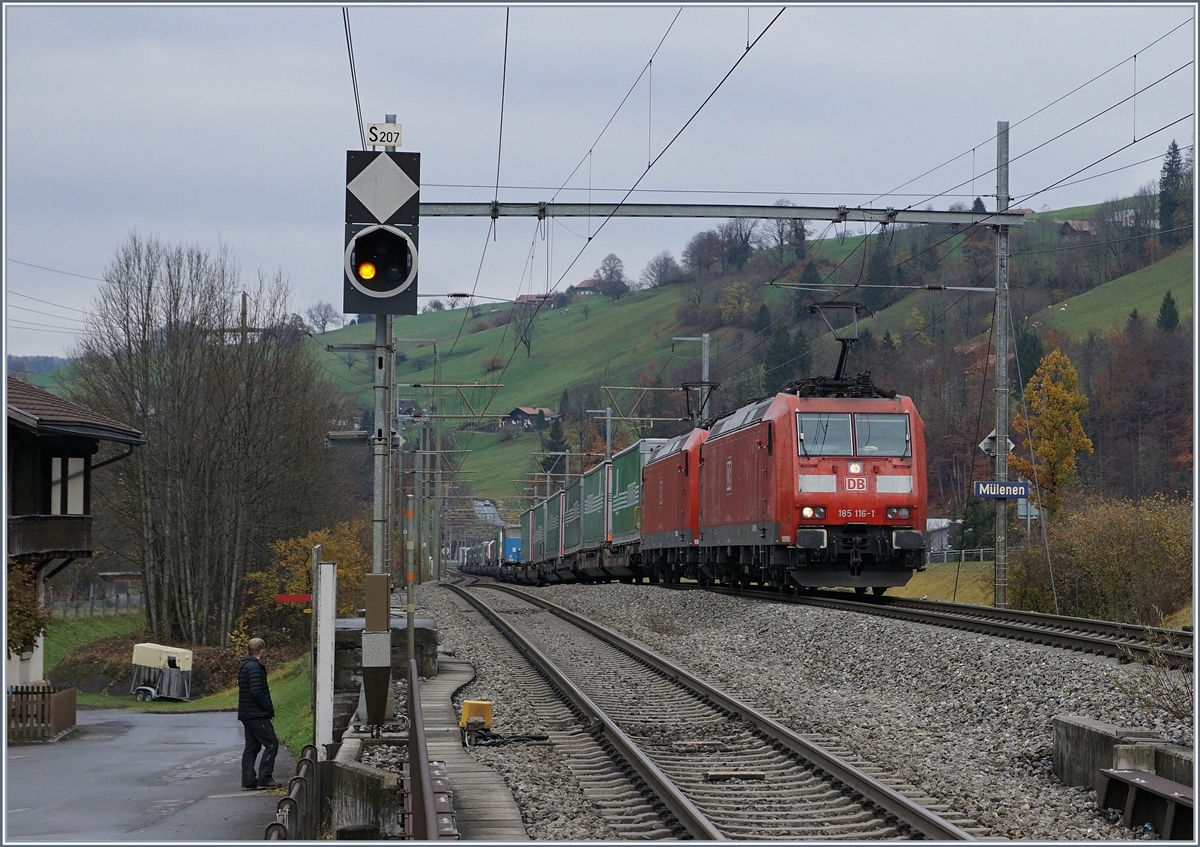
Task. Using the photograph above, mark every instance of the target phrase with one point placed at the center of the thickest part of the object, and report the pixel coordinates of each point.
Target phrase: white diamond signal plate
(383, 188)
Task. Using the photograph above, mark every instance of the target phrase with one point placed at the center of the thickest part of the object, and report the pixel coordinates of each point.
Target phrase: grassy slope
(63, 636)
(1107, 306)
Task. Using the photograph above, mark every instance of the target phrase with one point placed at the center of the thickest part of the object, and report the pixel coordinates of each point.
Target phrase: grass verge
(290, 692)
(63, 636)
(965, 582)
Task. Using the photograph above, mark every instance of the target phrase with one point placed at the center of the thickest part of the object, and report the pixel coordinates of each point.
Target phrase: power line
(48, 327)
(56, 270)
(354, 75)
(47, 314)
(687, 123)
(617, 111)
(503, 87)
(1032, 115)
(47, 302)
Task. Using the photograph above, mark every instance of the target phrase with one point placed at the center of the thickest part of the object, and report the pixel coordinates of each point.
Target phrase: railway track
(1123, 641)
(717, 768)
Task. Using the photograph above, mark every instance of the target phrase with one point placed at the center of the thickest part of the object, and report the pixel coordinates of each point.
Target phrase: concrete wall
(1083, 746)
(347, 660)
(366, 800)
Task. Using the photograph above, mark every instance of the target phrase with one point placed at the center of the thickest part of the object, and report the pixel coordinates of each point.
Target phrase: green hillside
(1107, 306)
(598, 341)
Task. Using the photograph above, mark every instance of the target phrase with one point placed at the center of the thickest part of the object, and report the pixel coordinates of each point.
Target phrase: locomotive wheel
(878, 590)
(860, 589)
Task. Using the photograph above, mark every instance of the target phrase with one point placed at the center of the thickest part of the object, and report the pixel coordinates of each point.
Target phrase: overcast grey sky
(209, 125)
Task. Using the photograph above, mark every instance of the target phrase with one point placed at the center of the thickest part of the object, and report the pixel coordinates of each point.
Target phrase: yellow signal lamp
(366, 270)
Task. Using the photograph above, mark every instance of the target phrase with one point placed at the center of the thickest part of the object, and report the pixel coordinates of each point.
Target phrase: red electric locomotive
(671, 504)
(814, 491)
(822, 485)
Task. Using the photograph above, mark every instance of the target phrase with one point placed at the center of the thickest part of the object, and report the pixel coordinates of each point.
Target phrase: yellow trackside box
(476, 709)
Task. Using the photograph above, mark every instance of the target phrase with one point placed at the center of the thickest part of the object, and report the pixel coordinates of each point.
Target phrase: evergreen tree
(554, 440)
(1135, 326)
(975, 528)
(809, 280)
(978, 206)
(1029, 350)
(1168, 313)
(778, 362)
(1171, 196)
(762, 321)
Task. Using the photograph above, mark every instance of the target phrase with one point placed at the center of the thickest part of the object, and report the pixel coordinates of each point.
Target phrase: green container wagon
(595, 507)
(554, 526)
(626, 500)
(572, 517)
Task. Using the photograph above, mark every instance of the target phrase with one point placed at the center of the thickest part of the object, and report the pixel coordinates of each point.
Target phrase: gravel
(965, 718)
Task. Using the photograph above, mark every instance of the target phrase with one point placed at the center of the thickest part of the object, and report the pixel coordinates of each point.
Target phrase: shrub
(502, 318)
(480, 326)
(26, 620)
(493, 363)
(1112, 559)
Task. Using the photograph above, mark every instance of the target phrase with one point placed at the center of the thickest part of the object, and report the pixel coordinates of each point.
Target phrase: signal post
(383, 197)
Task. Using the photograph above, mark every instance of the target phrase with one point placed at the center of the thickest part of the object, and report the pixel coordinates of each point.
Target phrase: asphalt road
(132, 776)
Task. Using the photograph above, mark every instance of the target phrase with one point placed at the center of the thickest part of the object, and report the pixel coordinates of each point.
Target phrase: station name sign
(1001, 490)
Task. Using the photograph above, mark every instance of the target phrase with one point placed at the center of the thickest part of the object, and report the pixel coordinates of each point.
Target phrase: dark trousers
(260, 735)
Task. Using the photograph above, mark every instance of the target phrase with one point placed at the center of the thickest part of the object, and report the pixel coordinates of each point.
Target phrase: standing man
(255, 711)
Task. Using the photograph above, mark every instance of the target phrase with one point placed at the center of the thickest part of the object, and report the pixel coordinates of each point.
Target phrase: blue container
(512, 549)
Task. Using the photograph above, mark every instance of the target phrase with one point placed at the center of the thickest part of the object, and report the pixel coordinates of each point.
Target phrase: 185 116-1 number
(856, 513)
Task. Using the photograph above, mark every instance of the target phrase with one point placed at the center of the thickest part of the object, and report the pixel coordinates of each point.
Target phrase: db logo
(856, 483)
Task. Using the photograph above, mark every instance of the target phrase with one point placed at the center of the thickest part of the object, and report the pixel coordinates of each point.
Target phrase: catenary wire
(648, 168)
(354, 76)
(1035, 113)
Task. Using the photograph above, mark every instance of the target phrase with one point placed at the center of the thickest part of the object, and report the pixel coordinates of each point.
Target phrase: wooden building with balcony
(51, 446)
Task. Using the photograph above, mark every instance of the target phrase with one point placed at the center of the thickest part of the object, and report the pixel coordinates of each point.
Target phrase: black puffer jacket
(254, 697)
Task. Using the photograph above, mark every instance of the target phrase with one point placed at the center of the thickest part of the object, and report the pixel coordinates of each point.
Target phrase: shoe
(249, 787)
(270, 783)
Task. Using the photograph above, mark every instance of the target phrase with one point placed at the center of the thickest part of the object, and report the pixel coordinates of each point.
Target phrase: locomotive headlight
(855, 467)
(903, 511)
(897, 512)
(811, 512)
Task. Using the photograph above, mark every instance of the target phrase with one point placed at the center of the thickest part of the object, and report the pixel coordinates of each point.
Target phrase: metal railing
(93, 607)
(424, 813)
(298, 815)
(985, 554)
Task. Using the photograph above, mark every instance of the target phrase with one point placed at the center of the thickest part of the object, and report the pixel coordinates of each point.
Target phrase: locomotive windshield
(824, 434)
(829, 434)
(881, 435)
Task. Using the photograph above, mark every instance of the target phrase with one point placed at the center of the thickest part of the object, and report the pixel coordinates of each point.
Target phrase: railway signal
(383, 199)
(381, 269)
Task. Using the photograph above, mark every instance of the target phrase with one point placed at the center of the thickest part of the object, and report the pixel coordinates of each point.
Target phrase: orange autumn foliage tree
(348, 544)
(1053, 432)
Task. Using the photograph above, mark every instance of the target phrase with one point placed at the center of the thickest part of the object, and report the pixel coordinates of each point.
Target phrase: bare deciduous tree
(661, 270)
(524, 321)
(322, 314)
(234, 411)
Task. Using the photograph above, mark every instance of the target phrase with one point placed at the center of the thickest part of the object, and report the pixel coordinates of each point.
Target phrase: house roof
(532, 411)
(1080, 226)
(48, 414)
(586, 284)
(533, 298)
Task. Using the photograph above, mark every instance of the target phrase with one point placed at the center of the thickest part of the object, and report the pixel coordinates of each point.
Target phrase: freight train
(821, 485)
(792, 491)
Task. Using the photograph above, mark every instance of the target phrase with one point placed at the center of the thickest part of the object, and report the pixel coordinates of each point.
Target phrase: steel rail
(912, 813)
(691, 818)
(1106, 638)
